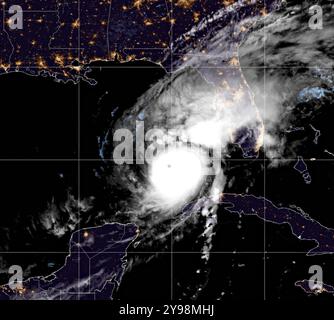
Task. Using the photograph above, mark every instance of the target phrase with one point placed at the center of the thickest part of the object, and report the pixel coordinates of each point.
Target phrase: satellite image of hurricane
(167, 152)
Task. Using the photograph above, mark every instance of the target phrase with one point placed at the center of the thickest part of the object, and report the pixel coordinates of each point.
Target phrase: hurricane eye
(177, 174)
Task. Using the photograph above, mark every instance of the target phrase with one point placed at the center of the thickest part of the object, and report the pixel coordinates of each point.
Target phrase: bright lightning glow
(177, 174)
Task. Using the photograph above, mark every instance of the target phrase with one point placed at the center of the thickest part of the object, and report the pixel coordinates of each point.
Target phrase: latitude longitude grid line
(111, 160)
(79, 148)
(20, 68)
(320, 253)
(171, 40)
(264, 165)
